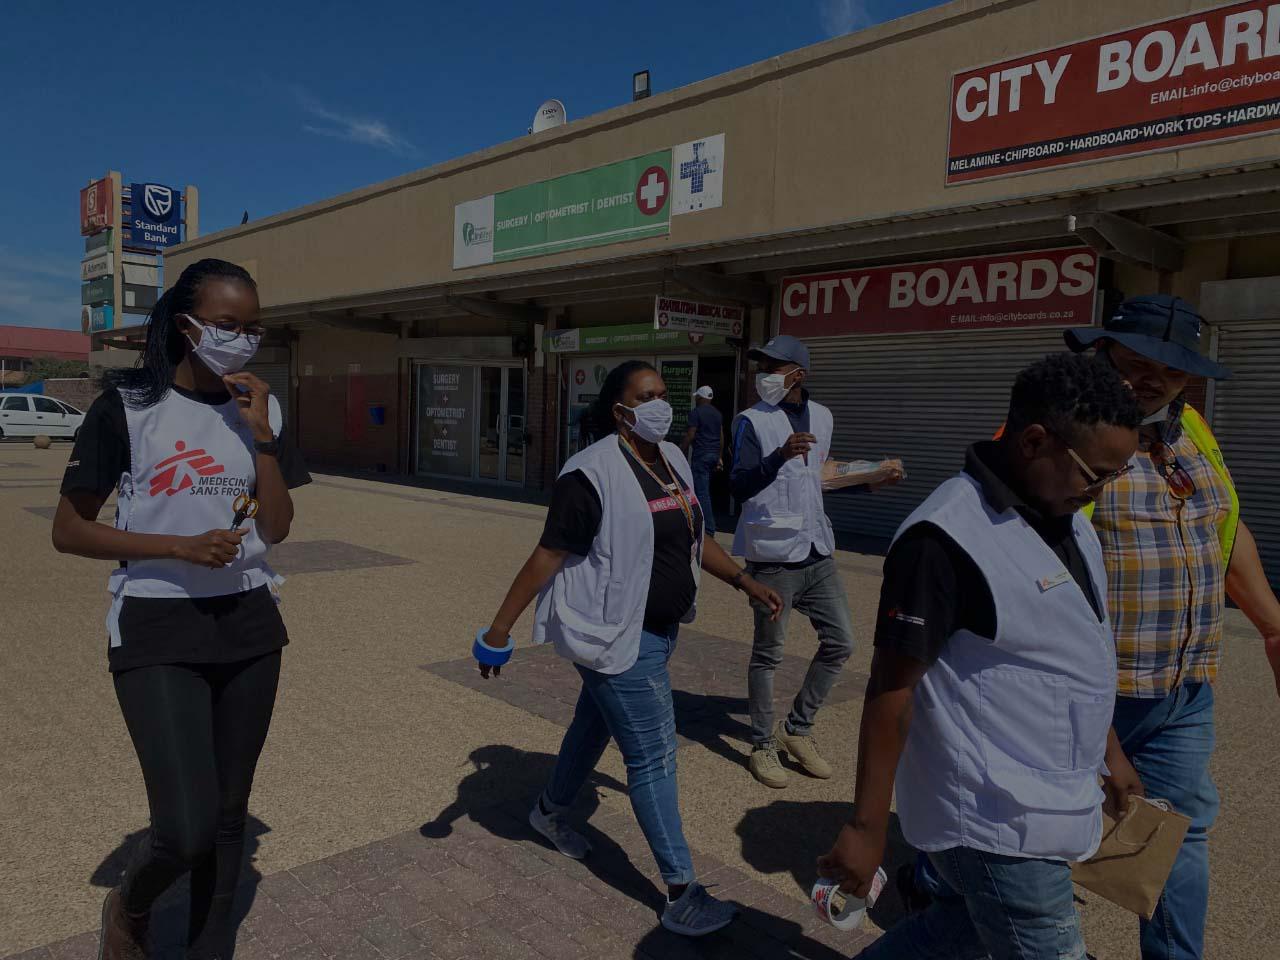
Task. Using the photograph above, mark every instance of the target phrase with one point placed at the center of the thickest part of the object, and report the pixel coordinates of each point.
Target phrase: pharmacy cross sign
(652, 190)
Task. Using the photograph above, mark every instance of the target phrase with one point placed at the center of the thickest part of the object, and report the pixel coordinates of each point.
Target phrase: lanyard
(685, 506)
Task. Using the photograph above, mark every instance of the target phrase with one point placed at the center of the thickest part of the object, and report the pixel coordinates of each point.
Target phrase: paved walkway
(488, 888)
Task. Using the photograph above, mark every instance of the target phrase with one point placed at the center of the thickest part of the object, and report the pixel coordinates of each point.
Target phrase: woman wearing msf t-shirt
(616, 572)
(193, 445)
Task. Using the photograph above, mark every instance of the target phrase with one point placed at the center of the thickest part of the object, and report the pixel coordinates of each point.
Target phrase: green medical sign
(627, 200)
(622, 339)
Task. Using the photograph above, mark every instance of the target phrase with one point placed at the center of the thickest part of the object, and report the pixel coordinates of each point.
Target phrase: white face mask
(772, 387)
(652, 419)
(226, 356)
(1158, 417)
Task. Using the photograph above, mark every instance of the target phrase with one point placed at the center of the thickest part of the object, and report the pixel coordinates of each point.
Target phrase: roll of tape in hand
(492, 656)
(841, 911)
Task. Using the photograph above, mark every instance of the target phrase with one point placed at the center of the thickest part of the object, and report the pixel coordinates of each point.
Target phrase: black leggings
(198, 731)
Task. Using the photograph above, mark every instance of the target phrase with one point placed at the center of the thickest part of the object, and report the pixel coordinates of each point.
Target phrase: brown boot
(123, 936)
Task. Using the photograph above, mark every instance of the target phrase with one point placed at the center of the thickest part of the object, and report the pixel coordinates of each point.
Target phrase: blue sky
(269, 105)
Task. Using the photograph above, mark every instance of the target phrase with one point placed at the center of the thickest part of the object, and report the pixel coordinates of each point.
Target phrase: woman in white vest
(615, 573)
(193, 447)
(993, 681)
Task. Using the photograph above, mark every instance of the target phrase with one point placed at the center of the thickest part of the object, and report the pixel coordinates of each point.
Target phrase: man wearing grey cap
(779, 446)
(1175, 548)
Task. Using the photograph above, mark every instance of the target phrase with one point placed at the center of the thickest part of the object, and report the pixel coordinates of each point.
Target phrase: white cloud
(843, 16)
(39, 290)
(340, 126)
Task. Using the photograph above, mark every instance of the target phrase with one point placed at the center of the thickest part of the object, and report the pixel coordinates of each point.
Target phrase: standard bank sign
(156, 218)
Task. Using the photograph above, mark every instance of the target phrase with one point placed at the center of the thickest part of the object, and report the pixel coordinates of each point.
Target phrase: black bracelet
(737, 579)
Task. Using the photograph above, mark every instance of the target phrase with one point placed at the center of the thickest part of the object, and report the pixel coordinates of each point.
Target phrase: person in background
(703, 445)
(615, 574)
(779, 446)
(993, 680)
(1175, 549)
(194, 634)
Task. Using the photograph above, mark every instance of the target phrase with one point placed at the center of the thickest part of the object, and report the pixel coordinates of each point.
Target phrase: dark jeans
(989, 907)
(816, 591)
(703, 467)
(198, 731)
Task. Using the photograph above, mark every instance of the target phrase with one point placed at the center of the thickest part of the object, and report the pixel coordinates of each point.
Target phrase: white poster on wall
(473, 233)
(697, 175)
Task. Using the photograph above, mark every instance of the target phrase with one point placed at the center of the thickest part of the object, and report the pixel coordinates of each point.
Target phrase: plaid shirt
(1165, 572)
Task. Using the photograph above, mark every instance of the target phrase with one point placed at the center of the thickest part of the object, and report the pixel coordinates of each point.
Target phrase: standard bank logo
(158, 200)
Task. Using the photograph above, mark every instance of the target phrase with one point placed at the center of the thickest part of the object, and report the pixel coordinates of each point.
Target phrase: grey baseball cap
(785, 348)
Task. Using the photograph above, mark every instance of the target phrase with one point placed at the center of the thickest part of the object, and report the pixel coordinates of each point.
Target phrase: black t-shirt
(156, 630)
(932, 588)
(574, 520)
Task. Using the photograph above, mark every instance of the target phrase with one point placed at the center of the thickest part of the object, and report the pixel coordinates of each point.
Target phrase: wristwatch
(270, 447)
(737, 579)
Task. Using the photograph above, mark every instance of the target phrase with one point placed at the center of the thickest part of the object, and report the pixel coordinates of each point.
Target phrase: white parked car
(32, 415)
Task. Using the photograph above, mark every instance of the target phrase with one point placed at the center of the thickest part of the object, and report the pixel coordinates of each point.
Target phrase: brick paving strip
(495, 892)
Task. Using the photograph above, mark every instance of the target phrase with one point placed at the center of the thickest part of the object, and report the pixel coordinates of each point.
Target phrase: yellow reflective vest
(1195, 427)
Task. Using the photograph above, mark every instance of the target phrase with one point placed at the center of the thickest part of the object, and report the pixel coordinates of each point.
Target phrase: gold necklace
(685, 506)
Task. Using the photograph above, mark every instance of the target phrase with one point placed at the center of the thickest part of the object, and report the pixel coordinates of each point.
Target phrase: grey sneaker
(766, 767)
(697, 913)
(562, 836)
(804, 750)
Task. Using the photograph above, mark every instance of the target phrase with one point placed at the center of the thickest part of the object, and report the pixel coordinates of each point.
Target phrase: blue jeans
(986, 905)
(702, 467)
(1169, 741)
(635, 708)
(816, 591)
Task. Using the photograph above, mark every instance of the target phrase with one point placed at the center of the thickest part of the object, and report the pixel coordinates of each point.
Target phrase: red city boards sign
(1209, 76)
(1045, 288)
(96, 207)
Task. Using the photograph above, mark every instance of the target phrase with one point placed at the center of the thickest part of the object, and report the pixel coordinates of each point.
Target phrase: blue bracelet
(492, 656)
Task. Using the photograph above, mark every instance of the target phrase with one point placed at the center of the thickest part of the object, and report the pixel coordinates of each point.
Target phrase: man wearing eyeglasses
(1175, 548)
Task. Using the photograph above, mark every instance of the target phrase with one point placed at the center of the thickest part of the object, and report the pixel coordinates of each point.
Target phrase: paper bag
(836, 474)
(1135, 856)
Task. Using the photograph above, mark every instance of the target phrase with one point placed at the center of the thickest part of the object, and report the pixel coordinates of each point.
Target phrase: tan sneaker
(804, 750)
(766, 767)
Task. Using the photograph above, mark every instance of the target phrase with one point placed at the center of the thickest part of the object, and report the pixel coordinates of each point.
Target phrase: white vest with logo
(1008, 733)
(593, 609)
(781, 522)
(188, 461)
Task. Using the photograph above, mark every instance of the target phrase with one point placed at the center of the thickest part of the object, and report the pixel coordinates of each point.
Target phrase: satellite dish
(550, 114)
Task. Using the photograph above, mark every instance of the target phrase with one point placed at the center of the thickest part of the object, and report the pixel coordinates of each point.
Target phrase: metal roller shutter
(1246, 421)
(920, 397)
(276, 376)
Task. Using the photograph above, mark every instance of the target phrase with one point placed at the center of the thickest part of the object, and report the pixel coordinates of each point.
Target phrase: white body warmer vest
(1008, 734)
(782, 521)
(593, 609)
(188, 463)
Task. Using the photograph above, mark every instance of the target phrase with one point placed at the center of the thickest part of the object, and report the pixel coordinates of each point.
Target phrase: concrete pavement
(382, 731)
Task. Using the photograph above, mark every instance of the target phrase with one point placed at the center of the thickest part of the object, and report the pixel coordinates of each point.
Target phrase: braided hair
(148, 382)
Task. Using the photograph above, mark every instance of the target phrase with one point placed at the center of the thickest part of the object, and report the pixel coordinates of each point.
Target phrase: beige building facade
(978, 139)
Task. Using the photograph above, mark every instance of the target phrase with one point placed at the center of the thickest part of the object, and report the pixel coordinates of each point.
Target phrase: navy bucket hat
(1162, 328)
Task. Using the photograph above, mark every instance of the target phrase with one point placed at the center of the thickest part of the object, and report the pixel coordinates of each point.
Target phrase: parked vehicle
(32, 415)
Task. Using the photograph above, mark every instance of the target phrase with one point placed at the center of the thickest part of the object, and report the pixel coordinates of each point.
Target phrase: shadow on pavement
(788, 836)
(755, 934)
(505, 784)
(169, 917)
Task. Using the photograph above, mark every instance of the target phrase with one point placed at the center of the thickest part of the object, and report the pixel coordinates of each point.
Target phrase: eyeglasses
(1093, 481)
(226, 333)
(1180, 483)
